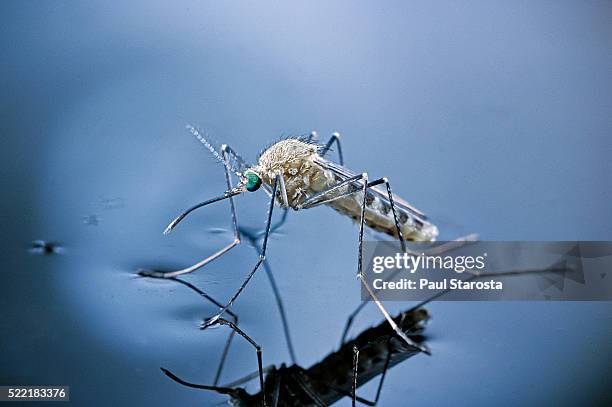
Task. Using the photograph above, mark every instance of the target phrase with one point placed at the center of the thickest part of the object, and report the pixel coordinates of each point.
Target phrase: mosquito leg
(257, 349)
(335, 137)
(360, 275)
(237, 393)
(315, 199)
(221, 390)
(355, 365)
(253, 238)
(353, 392)
(385, 313)
(278, 224)
(279, 302)
(273, 228)
(230, 337)
(281, 309)
(443, 248)
(226, 348)
(395, 218)
(384, 372)
(350, 320)
(262, 257)
(283, 190)
(219, 253)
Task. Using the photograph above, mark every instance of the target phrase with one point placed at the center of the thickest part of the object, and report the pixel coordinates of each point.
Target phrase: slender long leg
(384, 372)
(350, 320)
(278, 224)
(400, 236)
(228, 390)
(281, 310)
(257, 350)
(355, 366)
(218, 389)
(253, 238)
(360, 275)
(283, 190)
(311, 202)
(385, 313)
(219, 253)
(443, 248)
(353, 393)
(226, 349)
(314, 200)
(279, 302)
(230, 337)
(262, 257)
(335, 137)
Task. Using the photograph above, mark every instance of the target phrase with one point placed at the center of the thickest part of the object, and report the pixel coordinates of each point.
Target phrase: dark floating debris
(43, 247)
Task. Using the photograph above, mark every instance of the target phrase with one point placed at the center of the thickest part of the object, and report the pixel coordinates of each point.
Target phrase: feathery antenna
(218, 156)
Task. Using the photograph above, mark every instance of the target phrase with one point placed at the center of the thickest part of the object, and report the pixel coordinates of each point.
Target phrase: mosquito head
(251, 180)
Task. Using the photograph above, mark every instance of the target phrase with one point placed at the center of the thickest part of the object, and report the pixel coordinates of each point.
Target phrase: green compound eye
(253, 181)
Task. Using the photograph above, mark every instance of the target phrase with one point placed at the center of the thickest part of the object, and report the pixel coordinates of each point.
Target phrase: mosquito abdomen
(379, 216)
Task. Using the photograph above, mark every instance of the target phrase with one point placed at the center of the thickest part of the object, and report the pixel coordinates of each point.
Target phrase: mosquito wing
(343, 173)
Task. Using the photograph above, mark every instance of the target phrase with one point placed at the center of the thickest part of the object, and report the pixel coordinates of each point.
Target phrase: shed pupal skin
(296, 162)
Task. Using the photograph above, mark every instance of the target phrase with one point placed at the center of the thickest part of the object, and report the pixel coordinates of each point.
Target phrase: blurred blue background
(493, 117)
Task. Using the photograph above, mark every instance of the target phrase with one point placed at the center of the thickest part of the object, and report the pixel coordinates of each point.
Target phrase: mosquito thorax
(285, 155)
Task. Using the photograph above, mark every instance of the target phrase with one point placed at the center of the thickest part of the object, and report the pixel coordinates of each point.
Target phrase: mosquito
(296, 174)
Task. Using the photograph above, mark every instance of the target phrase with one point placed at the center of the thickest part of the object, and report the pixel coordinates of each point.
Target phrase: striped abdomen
(379, 217)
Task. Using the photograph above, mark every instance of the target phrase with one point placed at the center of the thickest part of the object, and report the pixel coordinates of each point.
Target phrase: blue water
(493, 117)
